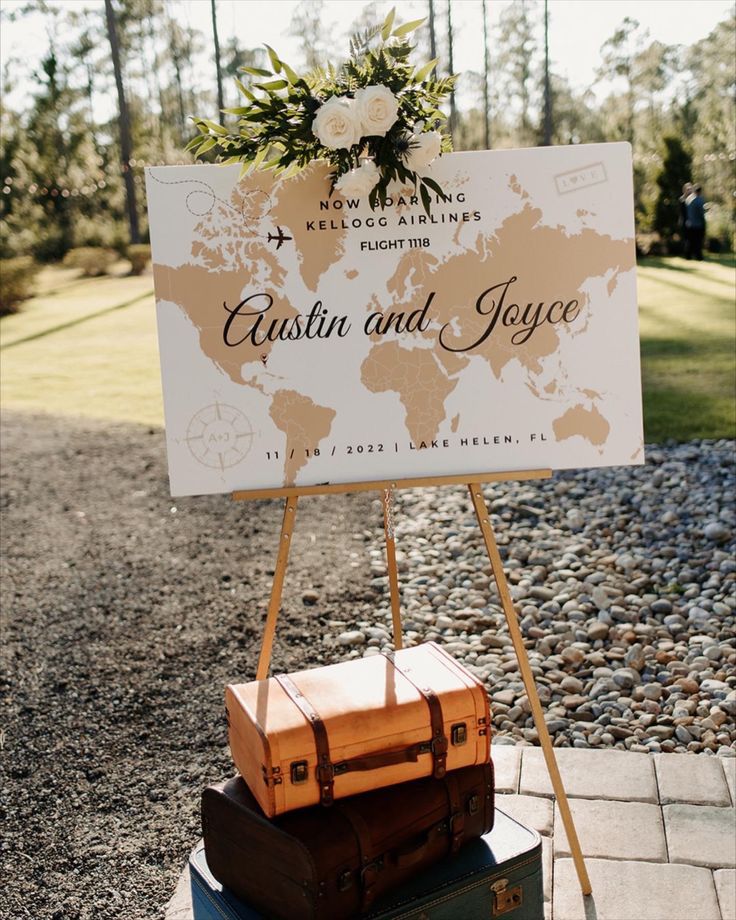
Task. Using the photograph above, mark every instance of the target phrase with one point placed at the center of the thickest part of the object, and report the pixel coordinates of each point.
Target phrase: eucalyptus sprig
(374, 118)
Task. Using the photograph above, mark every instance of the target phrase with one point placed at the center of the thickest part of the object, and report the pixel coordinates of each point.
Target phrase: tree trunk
(486, 81)
(453, 108)
(432, 33)
(124, 123)
(547, 88)
(220, 103)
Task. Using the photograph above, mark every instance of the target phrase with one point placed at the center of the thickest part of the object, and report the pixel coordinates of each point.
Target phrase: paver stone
(623, 775)
(725, 880)
(701, 835)
(529, 810)
(616, 830)
(691, 779)
(635, 891)
(506, 767)
(729, 768)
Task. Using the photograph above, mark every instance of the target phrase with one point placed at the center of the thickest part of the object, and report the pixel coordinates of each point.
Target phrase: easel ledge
(328, 488)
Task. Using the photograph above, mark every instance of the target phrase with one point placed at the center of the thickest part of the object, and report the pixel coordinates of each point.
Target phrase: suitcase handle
(410, 854)
(383, 758)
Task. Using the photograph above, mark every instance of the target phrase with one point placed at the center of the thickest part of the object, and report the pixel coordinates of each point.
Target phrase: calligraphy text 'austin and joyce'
(249, 321)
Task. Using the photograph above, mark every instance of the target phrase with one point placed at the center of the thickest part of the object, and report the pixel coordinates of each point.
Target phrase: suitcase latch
(459, 734)
(299, 772)
(505, 898)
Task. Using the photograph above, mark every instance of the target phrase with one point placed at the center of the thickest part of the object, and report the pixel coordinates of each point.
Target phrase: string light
(13, 184)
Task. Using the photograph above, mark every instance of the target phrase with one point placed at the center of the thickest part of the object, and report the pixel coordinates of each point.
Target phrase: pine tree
(676, 171)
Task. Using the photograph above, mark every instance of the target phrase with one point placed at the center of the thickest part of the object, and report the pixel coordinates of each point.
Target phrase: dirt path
(124, 614)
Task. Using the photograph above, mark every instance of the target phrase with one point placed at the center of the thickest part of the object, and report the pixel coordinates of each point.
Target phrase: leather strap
(325, 770)
(369, 866)
(457, 815)
(439, 743)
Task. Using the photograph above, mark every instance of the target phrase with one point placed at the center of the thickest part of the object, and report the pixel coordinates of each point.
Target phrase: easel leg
(393, 573)
(287, 528)
(484, 521)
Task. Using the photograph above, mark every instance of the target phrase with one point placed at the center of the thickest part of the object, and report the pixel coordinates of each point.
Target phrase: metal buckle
(439, 745)
(344, 880)
(325, 773)
(369, 873)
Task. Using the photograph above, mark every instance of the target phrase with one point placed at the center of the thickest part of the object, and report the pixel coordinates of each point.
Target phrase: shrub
(16, 282)
(139, 256)
(92, 260)
(649, 244)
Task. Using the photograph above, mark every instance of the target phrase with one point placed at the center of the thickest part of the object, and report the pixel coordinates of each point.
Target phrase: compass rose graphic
(219, 436)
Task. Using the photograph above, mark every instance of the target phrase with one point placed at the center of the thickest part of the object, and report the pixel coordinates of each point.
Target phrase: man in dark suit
(687, 191)
(696, 224)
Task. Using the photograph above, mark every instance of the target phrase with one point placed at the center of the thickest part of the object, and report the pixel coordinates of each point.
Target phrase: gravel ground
(125, 613)
(625, 582)
(122, 621)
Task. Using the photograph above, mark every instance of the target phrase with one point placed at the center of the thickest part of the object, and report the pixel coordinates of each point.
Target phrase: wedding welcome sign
(306, 339)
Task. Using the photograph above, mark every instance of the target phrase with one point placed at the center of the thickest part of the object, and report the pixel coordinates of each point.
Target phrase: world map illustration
(490, 305)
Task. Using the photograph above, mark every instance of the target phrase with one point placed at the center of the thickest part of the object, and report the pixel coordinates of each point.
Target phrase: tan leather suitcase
(336, 731)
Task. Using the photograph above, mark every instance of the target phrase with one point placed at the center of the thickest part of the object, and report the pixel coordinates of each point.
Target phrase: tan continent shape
(202, 294)
(297, 204)
(588, 423)
(231, 259)
(305, 425)
(549, 264)
(421, 384)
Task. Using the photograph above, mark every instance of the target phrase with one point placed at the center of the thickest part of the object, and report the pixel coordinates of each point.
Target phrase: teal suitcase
(498, 875)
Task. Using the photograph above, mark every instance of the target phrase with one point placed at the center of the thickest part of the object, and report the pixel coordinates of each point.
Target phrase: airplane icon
(278, 238)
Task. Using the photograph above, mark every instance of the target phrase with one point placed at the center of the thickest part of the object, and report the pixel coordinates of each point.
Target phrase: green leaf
(289, 73)
(260, 157)
(213, 126)
(426, 200)
(208, 144)
(194, 142)
(240, 110)
(408, 27)
(387, 24)
(272, 85)
(255, 71)
(244, 90)
(270, 164)
(230, 160)
(426, 70)
(274, 58)
(435, 187)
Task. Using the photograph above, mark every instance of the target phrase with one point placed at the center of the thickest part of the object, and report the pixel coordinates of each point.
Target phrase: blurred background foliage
(72, 178)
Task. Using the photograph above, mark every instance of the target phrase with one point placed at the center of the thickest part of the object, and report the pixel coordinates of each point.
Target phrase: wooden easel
(474, 485)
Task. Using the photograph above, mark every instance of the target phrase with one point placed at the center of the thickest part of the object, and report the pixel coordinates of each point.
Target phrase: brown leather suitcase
(331, 863)
(337, 731)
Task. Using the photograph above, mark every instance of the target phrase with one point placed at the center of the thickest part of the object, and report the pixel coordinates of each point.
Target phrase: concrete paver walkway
(658, 833)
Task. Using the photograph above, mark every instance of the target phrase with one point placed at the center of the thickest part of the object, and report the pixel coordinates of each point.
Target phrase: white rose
(358, 182)
(336, 123)
(378, 109)
(423, 150)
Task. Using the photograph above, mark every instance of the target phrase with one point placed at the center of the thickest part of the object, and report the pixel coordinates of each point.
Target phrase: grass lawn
(98, 356)
(88, 347)
(687, 325)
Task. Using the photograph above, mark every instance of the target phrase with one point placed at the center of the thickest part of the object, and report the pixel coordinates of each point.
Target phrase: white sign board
(306, 339)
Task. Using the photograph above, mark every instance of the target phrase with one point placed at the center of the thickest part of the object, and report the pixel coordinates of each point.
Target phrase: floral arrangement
(375, 119)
